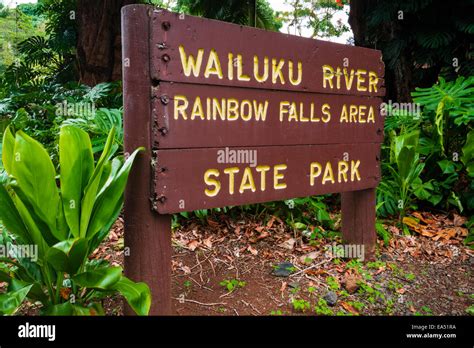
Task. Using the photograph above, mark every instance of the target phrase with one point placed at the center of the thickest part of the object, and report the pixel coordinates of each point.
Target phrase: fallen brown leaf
(349, 308)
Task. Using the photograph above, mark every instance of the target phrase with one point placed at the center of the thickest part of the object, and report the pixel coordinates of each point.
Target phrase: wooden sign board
(195, 179)
(234, 115)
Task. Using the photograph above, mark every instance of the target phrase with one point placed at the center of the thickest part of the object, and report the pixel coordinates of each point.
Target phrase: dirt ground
(226, 267)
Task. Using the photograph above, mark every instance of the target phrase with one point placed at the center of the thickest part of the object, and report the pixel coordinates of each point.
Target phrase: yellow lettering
(342, 168)
(328, 75)
(264, 77)
(262, 170)
(212, 182)
(328, 174)
(325, 109)
(260, 110)
(373, 79)
(361, 80)
(314, 174)
(230, 66)
(180, 109)
(213, 66)
(355, 170)
(276, 71)
(371, 116)
(353, 113)
(240, 65)
(278, 176)
(231, 171)
(344, 114)
(232, 109)
(300, 73)
(190, 64)
(246, 116)
(218, 109)
(348, 80)
(197, 109)
(247, 182)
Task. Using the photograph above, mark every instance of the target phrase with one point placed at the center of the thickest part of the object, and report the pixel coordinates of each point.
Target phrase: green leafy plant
(333, 283)
(398, 190)
(322, 308)
(65, 222)
(444, 148)
(470, 310)
(300, 305)
(232, 284)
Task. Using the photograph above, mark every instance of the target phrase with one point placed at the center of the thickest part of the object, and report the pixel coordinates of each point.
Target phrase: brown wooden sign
(215, 177)
(198, 50)
(194, 116)
(234, 115)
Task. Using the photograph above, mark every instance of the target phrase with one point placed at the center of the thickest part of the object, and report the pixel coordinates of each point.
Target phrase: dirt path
(226, 267)
(392, 285)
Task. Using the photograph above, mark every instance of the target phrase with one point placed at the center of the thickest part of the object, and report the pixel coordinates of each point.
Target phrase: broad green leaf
(62, 227)
(8, 147)
(5, 277)
(447, 166)
(69, 309)
(36, 292)
(77, 164)
(68, 256)
(92, 188)
(110, 172)
(20, 272)
(300, 226)
(10, 301)
(110, 197)
(138, 295)
(35, 175)
(100, 278)
(10, 217)
(63, 309)
(104, 231)
(405, 161)
(21, 118)
(435, 199)
(468, 153)
(34, 232)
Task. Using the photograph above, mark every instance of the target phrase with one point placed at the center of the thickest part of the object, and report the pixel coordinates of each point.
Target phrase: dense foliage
(64, 224)
(430, 154)
(419, 39)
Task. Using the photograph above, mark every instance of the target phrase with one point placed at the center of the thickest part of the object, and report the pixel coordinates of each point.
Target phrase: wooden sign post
(234, 115)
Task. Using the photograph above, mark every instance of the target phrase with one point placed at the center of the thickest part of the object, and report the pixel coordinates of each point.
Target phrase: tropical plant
(448, 105)
(41, 110)
(396, 193)
(419, 40)
(445, 146)
(64, 224)
(448, 118)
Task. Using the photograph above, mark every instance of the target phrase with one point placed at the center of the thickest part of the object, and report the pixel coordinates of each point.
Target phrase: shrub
(65, 224)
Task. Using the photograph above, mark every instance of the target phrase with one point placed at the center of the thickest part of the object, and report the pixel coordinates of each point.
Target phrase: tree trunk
(398, 78)
(252, 12)
(357, 21)
(98, 42)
